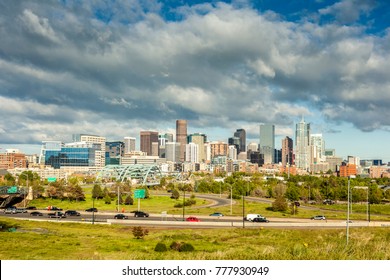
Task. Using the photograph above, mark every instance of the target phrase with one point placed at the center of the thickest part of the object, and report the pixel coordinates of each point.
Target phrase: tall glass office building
(72, 154)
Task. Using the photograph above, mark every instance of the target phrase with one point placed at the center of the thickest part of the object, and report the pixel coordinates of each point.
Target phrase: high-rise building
(70, 155)
(267, 142)
(236, 142)
(200, 140)
(287, 151)
(318, 148)
(181, 137)
(100, 157)
(129, 144)
(218, 148)
(114, 150)
(192, 152)
(302, 145)
(232, 152)
(172, 151)
(147, 138)
(241, 134)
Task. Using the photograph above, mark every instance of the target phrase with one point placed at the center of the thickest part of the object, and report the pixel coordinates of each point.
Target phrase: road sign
(51, 179)
(139, 193)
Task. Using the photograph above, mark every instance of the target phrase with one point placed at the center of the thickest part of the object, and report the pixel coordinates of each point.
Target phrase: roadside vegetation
(32, 240)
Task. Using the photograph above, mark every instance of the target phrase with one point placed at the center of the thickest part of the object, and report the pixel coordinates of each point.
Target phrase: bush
(107, 199)
(280, 204)
(186, 247)
(160, 247)
(139, 232)
(175, 246)
(181, 247)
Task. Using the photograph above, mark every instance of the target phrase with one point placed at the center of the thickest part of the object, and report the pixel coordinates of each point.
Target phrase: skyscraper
(181, 137)
(267, 142)
(199, 139)
(287, 151)
(318, 148)
(100, 155)
(129, 144)
(240, 133)
(172, 151)
(192, 153)
(147, 138)
(302, 145)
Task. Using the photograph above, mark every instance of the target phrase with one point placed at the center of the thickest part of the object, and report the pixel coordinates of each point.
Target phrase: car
(36, 213)
(192, 219)
(53, 208)
(10, 211)
(72, 213)
(91, 209)
(260, 220)
(318, 217)
(140, 214)
(120, 216)
(57, 214)
(31, 208)
(216, 214)
(21, 210)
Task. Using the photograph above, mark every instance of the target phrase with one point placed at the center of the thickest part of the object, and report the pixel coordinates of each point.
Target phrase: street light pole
(348, 211)
(349, 179)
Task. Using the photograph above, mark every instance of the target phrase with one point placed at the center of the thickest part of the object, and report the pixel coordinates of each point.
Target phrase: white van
(250, 217)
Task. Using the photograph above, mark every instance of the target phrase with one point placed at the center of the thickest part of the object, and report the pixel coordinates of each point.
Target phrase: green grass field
(32, 240)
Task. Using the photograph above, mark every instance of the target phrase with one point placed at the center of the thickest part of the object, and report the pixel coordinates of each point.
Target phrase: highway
(176, 221)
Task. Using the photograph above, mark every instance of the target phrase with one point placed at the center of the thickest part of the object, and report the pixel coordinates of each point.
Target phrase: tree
(107, 199)
(129, 200)
(175, 194)
(280, 204)
(97, 192)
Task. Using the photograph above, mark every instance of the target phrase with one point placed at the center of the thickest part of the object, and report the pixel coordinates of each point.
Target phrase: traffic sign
(51, 179)
(139, 193)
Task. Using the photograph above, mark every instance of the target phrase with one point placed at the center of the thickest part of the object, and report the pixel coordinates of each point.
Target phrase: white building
(129, 144)
(232, 152)
(192, 153)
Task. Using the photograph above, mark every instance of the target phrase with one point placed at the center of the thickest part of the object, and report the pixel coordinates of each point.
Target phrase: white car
(318, 217)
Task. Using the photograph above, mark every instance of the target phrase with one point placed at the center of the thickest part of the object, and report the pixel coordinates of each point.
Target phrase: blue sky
(114, 68)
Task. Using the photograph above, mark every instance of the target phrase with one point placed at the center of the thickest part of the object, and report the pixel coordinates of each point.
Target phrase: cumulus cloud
(127, 67)
(348, 11)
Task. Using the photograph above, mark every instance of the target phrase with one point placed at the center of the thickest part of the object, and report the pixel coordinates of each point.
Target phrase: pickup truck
(58, 215)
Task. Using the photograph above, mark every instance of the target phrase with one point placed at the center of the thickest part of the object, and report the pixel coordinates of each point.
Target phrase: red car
(192, 219)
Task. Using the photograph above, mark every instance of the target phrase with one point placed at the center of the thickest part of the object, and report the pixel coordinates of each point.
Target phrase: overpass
(11, 195)
(146, 175)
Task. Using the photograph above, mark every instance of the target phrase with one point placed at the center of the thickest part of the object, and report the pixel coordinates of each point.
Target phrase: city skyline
(113, 69)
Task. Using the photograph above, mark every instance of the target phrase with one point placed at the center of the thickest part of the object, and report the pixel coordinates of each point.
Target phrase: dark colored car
(91, 210)
(140, 214)
(36, 213)
(72, 213)
(120, 216)
(192, 219)
(217, 214)
(31, 208)
(260, 220)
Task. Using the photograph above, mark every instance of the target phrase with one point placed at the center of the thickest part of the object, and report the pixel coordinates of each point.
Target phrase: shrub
(279, 204)
(139, 232)
(186, 247)
(175, 246)
(160, 247)
(107, 199)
